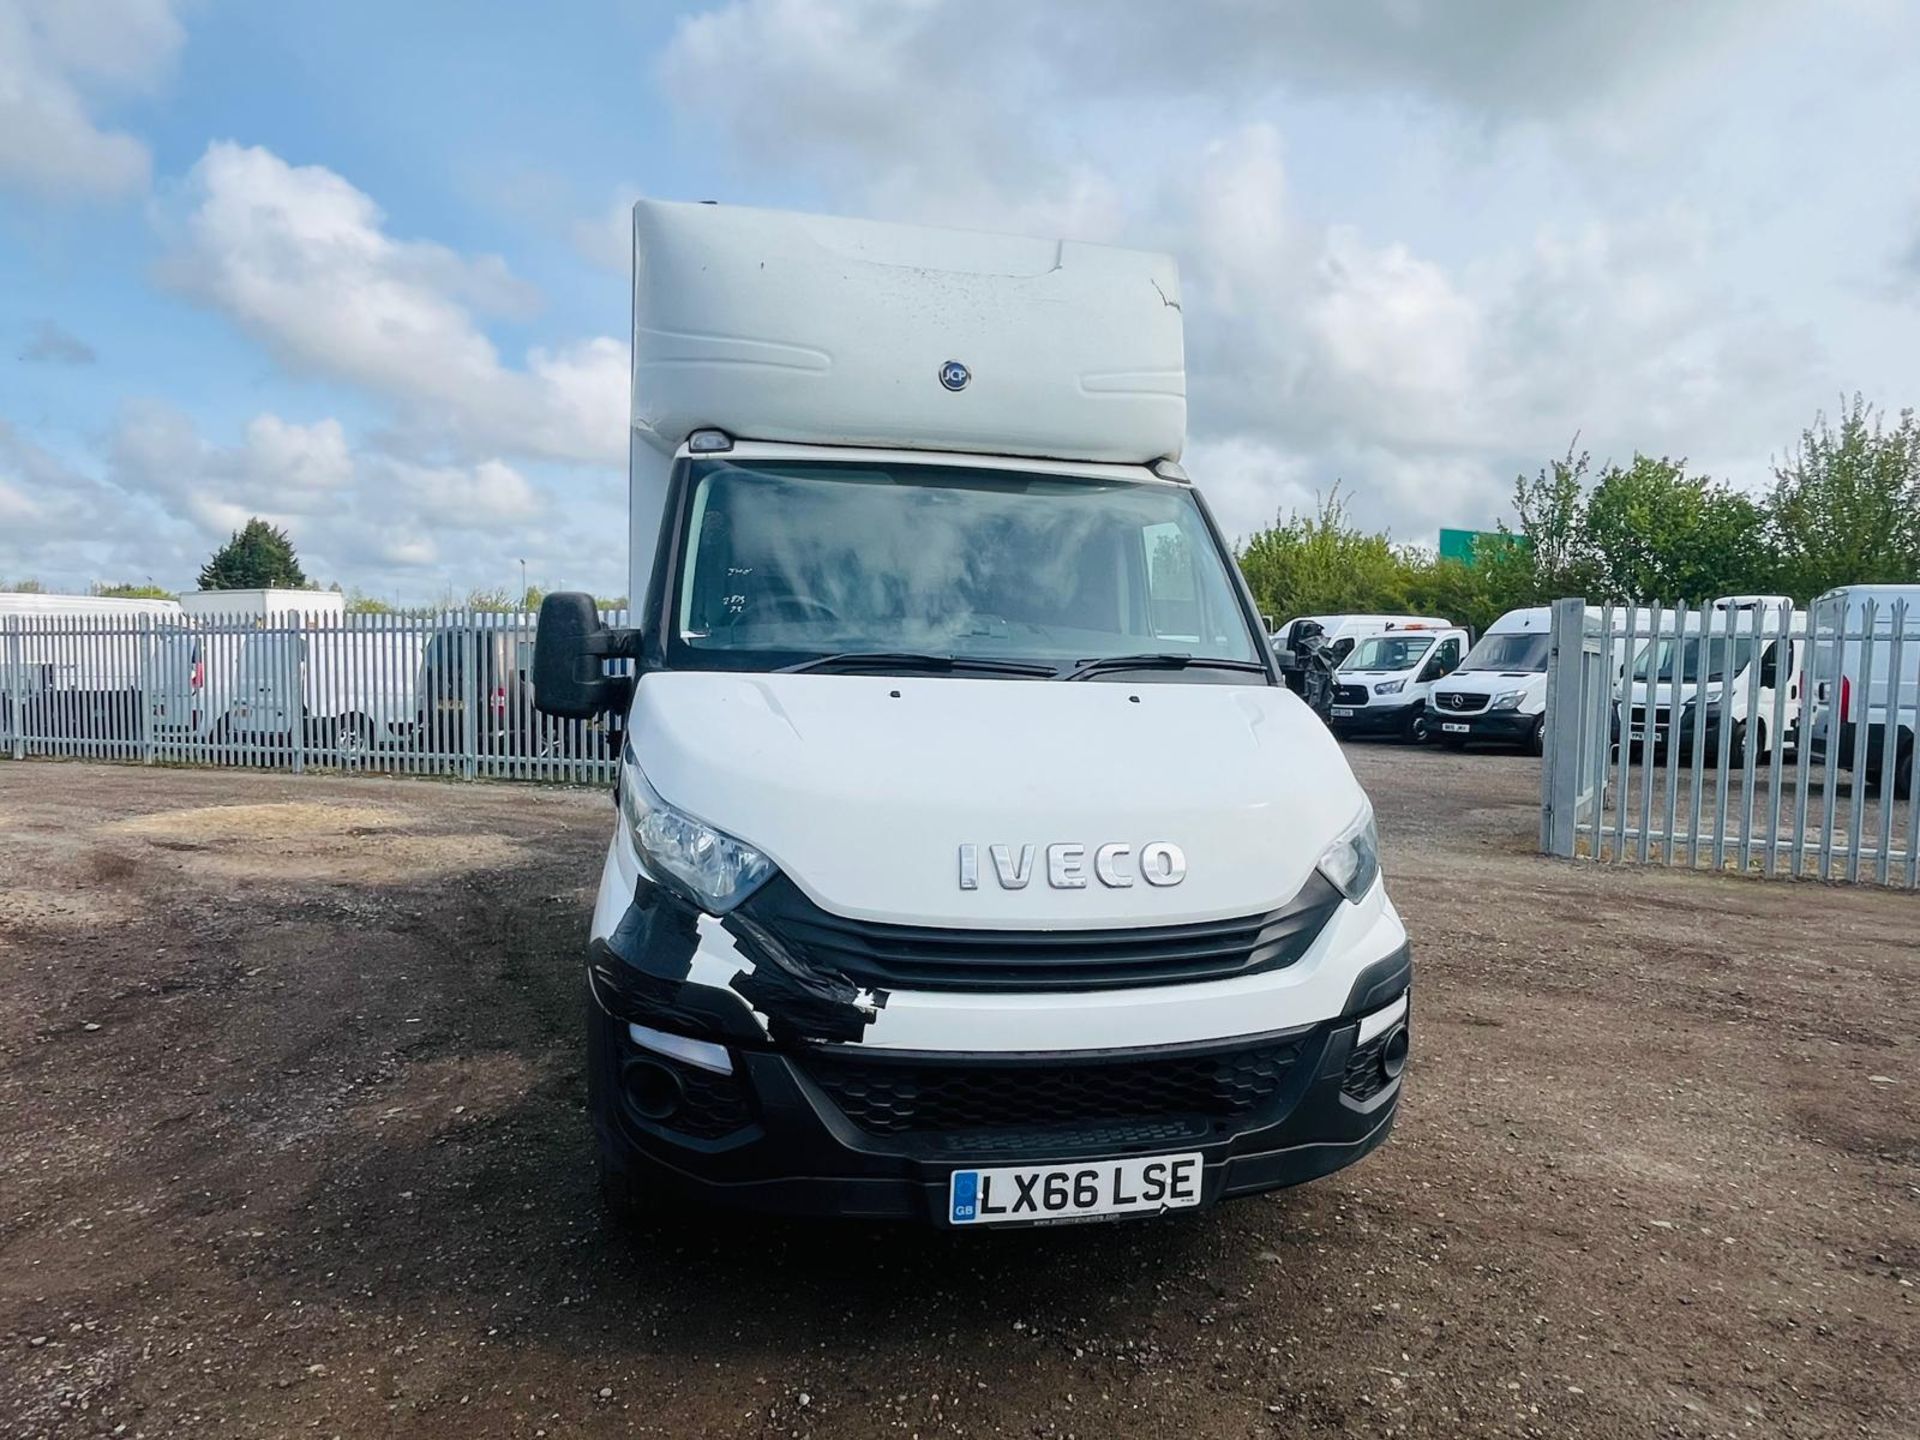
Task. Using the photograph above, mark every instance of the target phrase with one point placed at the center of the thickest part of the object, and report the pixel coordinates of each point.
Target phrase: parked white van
(973, 866)
(334, 689)
(1721, 667)
(74, 665)
(1859, 686)
(1381, 688)
(1499, 692)
(191, 684)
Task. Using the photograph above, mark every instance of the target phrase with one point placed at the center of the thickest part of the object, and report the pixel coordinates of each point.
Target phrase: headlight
(1509, 701)
(1390, 687)
(1352, 862)
(688, 856)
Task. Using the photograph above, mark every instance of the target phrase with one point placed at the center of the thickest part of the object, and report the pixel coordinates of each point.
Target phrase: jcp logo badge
(1069, 867)
(954, 375)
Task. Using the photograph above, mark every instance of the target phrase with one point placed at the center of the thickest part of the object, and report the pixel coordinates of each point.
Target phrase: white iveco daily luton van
(972, 866)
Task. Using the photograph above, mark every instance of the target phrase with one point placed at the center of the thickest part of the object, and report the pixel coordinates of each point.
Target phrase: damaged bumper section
(794, 1115)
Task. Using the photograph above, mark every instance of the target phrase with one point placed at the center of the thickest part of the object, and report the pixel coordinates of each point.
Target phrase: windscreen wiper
(884, 660)
(1178, 661)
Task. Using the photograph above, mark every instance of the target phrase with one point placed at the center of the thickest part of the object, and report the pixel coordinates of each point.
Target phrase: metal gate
(1747, 736)
(423, 694)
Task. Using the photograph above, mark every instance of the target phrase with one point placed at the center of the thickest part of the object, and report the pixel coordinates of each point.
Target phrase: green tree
(1430, 585)
(1319, 563)
(1658, 533)
(1845, 508)
(22, 587)
(132, 592)
(1551, 555)
(259, 556)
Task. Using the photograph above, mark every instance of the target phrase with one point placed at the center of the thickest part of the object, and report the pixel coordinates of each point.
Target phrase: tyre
(632, 1191)
(1537, 738)
(354, 737)
(1415, 731)
(1736, 744)
(1903, 777)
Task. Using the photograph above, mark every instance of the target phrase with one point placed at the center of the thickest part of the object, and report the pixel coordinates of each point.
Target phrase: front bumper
(1376, 719)
(1508, 725)
(860, 1131)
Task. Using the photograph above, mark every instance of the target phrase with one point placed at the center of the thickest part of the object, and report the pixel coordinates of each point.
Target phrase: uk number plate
(1343, 712)
(1454, 727)
(1074, 1192)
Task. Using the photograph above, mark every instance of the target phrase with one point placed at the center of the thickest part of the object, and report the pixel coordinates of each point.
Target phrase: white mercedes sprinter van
(1499, 692)
(972, 864)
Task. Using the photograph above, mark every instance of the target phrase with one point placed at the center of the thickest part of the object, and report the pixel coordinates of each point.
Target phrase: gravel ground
(292, 1142)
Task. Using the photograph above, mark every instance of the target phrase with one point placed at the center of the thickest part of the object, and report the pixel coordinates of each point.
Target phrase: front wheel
(1537, 738)
(1416, 730)
(351, 738)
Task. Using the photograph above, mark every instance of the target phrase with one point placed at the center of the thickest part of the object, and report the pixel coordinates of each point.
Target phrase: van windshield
(1388, 652)
(1662, 657)
(784, 561)
(1514, 651)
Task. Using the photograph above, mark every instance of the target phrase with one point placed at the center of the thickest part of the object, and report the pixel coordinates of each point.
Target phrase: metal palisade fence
(415, 694)
(1744, 735)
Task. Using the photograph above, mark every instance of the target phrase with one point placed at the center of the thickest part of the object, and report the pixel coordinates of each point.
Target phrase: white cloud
(1321, 349)
(163, 497)
(56, 56)
(301, 259)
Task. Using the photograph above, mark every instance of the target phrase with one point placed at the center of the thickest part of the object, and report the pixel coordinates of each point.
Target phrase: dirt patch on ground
(339, 844)
(293, 1142)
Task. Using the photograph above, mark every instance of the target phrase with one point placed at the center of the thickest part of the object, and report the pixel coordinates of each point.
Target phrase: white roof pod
(815, 330)
(39, 603)
(262, 604)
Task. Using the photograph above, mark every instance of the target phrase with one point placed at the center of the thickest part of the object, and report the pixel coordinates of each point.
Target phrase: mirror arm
(615, 643)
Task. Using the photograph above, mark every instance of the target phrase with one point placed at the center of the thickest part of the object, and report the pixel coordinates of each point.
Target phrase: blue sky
(358, 267)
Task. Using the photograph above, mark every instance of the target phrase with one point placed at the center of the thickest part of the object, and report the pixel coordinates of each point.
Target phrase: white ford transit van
(1381, 688)
(972, 865)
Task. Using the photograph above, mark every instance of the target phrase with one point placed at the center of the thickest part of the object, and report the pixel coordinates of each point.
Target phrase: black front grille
(1364, 1078)
(917, 957)
(716, 1105)
(1458, 702)
(1349, 694)
(1135, 1101)
(711, 1107)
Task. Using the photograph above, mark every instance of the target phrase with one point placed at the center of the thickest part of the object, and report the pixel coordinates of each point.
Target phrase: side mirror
(569, 677)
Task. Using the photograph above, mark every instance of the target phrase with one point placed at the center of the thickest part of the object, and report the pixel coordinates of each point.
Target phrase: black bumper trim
(1484, 724)
(1377, 719)
(801, 1155)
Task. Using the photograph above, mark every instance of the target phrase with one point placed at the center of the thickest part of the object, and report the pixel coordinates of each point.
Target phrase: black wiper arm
(909, 660)
(1177, 661)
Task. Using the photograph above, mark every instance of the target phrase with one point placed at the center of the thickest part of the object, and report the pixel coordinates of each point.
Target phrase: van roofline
(957, 459)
